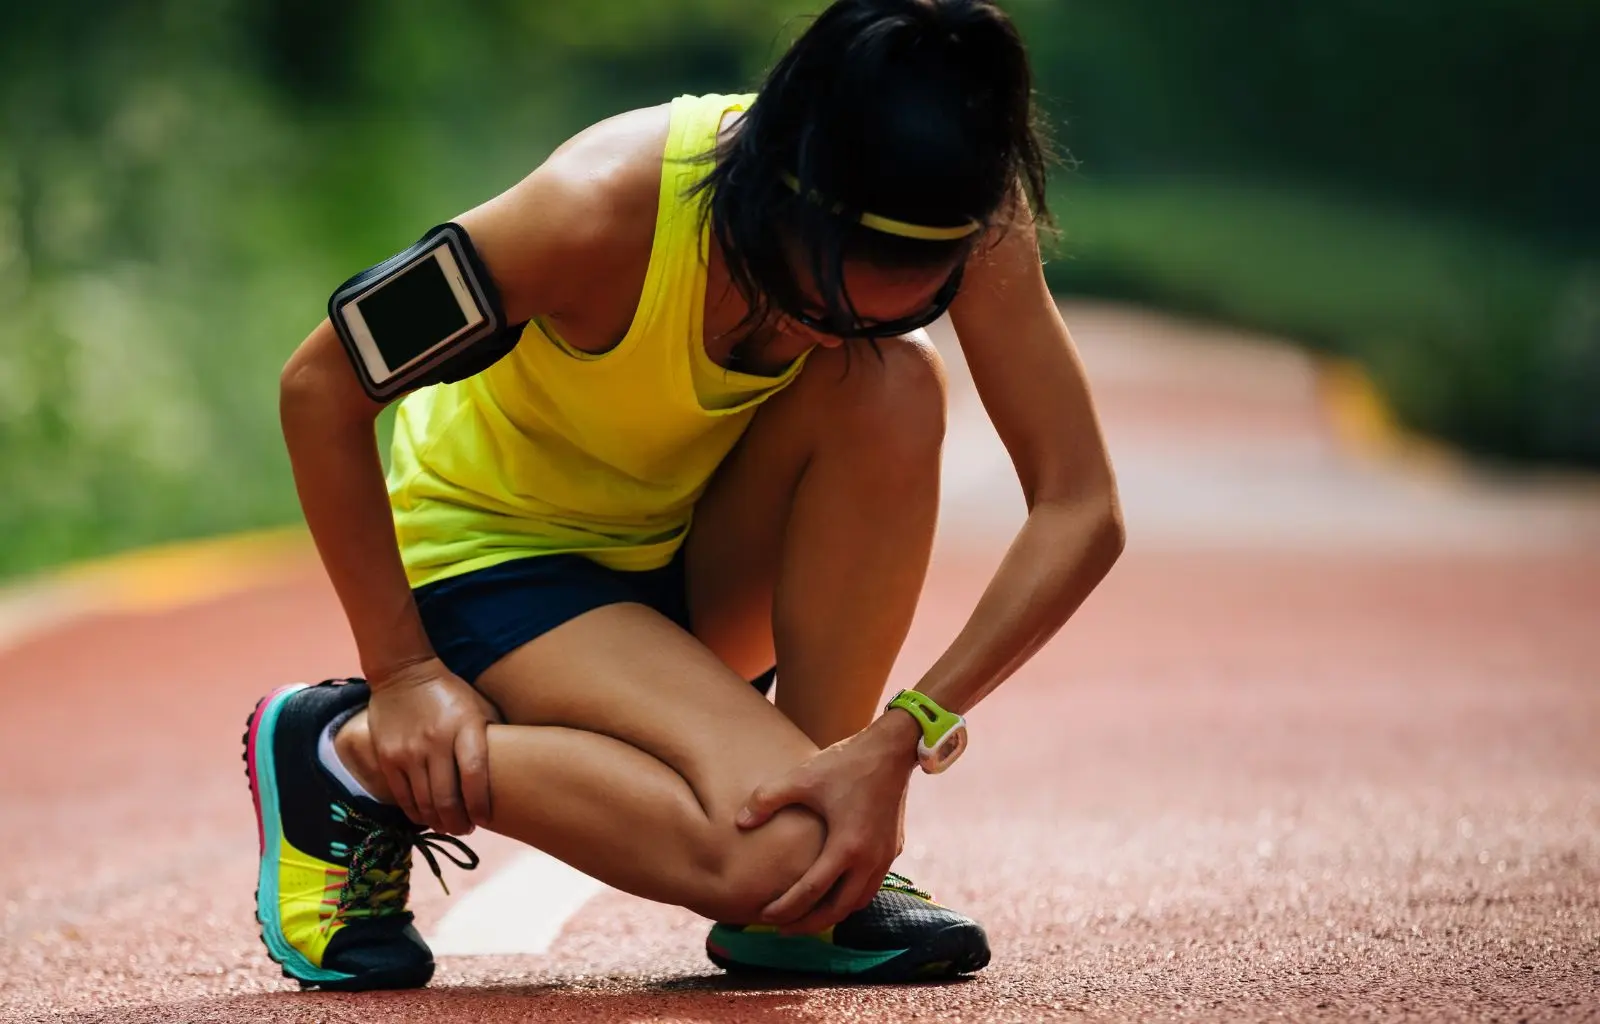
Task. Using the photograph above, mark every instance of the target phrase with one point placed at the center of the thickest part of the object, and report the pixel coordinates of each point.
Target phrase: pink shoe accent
(250, 757)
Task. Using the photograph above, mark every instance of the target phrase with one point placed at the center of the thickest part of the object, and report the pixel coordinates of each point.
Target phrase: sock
(329, 756)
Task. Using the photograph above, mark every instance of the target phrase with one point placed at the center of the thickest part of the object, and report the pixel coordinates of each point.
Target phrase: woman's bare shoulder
(584, 216)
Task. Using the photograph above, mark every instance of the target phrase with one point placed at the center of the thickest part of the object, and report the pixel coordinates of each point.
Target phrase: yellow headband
(889, 225)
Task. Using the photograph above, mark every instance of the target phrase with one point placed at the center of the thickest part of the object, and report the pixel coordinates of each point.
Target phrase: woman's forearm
(339, 477)
(1061, 554)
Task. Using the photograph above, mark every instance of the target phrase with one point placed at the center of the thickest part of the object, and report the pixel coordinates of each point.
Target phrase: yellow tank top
(554, 450)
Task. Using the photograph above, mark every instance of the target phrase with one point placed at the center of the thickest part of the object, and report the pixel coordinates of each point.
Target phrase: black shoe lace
(379, 878)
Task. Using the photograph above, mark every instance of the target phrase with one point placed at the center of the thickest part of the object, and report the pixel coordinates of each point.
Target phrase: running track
(1325, 746)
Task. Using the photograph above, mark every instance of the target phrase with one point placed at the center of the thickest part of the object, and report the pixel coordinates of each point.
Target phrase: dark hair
(916, 110)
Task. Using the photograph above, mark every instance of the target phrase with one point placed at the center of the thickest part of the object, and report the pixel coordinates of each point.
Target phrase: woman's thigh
(855, 400)
(811, 544)
(625, 671)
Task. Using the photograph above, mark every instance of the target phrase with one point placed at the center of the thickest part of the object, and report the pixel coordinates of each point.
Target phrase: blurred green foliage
(1473, 334)
(181, 184)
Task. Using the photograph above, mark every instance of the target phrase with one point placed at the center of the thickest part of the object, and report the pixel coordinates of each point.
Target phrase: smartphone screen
(412, 313)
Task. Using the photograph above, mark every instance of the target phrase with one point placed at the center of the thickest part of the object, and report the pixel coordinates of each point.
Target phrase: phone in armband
(401, 320)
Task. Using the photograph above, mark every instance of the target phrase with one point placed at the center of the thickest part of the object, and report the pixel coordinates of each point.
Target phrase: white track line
(519, 909)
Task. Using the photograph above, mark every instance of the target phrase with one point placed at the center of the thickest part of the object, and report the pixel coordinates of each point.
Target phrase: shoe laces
(378, 881)
(900, 883)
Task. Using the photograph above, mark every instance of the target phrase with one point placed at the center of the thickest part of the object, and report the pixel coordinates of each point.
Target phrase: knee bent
(895, 398)
(747, 871)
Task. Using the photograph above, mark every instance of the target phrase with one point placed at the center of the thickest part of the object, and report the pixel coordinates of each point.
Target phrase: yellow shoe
(335, 869)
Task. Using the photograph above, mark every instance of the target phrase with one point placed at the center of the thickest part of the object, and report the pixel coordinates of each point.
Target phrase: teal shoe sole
(948, 953)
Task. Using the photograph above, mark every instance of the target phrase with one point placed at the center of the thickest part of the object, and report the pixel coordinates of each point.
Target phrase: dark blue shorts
(475, 619)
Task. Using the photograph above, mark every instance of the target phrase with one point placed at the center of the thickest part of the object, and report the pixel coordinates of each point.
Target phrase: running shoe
(335, 868)
(902, 935)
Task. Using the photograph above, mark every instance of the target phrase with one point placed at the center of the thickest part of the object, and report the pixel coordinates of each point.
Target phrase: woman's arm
(428, 725)
(328, 427)
(1032, 383)
(436, 765)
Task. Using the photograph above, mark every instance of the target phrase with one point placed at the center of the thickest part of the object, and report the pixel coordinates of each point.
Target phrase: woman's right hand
(430, 734)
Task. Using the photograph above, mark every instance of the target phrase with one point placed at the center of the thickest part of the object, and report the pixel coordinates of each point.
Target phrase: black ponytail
(915, 110)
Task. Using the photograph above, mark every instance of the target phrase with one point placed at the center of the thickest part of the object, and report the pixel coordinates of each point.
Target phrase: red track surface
(1243, 785)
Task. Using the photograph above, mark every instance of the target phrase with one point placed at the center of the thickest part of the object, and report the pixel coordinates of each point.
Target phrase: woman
(715, 449)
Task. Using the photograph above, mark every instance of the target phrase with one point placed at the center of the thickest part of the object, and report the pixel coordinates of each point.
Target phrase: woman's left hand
(858, 786)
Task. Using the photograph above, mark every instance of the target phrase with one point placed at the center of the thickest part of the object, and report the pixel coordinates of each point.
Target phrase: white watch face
(937, 758)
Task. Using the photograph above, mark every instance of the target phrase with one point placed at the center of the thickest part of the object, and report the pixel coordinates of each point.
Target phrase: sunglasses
(886, 328)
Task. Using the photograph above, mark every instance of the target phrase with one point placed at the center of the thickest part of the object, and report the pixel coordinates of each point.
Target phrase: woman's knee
(893, 400)
(744, 871)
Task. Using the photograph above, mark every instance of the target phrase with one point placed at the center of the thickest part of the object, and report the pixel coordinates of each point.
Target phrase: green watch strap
(934, 720)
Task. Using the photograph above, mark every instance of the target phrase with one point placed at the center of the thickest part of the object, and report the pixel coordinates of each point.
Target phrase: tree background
(1410, 185)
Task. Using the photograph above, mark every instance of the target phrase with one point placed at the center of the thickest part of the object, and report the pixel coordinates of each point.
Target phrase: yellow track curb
(152, 579)
(1365, 424)
(188, 572)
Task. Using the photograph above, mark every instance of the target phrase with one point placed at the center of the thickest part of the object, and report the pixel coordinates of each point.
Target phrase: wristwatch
(944, 733)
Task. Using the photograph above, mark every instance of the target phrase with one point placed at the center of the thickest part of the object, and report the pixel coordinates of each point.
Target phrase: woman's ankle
(352, 744)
